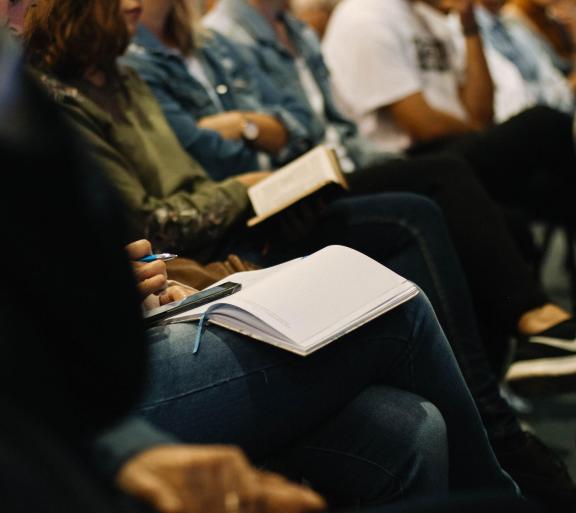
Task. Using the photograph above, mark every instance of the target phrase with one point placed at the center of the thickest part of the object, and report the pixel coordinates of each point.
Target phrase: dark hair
(68, 37)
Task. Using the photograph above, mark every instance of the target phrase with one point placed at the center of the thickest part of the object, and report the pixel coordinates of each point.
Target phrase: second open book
(304, 304)
(303, 177)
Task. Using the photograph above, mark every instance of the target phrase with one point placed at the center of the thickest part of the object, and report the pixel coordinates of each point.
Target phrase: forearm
(477, 92)
(132, 435)
(422, 122)
(272, 136)
(439, 125)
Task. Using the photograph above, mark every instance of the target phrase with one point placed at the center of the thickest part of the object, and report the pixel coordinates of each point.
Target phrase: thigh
(238, 390)
(528, 161)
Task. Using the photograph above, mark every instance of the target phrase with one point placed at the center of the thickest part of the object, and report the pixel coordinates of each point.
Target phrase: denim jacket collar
(145, 39)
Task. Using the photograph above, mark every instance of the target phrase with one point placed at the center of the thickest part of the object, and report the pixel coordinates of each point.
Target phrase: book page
(305, 303)
(294, 181)
(322, 291)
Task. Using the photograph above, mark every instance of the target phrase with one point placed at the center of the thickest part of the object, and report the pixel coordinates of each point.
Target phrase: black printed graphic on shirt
(432, 54)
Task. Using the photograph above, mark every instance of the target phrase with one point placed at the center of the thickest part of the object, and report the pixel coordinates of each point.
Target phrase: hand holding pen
(149, 269)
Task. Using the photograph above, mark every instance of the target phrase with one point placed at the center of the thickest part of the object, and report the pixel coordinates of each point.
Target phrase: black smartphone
(156, 315)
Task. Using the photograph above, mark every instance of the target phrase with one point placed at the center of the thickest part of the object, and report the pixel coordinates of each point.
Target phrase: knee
(409, 445)
(547, 118)
(414, 209)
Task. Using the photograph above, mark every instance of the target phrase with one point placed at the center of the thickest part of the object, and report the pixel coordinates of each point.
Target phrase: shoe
(541, 475)
(549, 355)
(562, 336)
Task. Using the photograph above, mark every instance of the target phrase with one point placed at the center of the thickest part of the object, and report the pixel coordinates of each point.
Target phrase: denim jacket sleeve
(220, 157)
(118, 444)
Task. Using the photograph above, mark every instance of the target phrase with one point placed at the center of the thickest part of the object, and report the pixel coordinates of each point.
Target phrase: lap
(238, 390)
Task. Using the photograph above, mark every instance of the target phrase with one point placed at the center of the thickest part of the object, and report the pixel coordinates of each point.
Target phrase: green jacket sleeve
(197, 211)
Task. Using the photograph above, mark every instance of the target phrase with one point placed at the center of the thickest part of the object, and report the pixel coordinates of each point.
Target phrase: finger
(282, 496)
(138, 249)
(148, 488)
(145, 271)
(152, 285)
(172, 294)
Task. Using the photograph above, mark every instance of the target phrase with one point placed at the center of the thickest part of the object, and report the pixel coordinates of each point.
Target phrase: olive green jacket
(172, 200)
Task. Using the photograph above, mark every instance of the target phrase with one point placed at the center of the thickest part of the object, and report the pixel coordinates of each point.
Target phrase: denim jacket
(184, 100)
(237, 20)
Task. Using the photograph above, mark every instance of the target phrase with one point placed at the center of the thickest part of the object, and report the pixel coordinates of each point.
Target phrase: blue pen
(158, 256)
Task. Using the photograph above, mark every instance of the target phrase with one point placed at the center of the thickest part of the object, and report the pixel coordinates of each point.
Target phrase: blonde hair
(183, 26)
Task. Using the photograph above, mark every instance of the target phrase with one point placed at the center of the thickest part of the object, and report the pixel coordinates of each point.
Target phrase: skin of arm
(477, 92)
(271, 139)
(422, 121)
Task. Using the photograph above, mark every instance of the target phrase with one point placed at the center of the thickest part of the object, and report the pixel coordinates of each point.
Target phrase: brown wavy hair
(69, 37)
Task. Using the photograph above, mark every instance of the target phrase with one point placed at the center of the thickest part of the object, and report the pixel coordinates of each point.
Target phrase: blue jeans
(379, 415)
(407, 233)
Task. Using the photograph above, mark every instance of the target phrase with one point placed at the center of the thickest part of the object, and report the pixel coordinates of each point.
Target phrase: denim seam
(429, 260)
(390, 474)
(208, 387)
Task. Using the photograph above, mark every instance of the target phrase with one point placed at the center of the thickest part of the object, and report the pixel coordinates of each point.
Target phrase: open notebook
(304, 304)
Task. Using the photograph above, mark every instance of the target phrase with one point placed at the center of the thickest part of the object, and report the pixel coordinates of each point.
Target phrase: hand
(151, 277)
(465, 9)
(176, 293)
(250, 179)
(215, 479)
(227, 124)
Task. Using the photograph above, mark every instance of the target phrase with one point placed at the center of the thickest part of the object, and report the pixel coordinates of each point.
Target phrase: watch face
(250, 131)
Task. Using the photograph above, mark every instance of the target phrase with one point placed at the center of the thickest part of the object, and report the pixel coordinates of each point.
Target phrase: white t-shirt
(381, 51)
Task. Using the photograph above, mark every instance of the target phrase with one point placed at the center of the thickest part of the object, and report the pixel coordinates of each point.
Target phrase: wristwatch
(250, 130)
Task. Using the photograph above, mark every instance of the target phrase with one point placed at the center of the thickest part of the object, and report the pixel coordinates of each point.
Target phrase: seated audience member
(527, 161)
(94, 374)
(552, 23)
(228, 135)
(522, 72)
